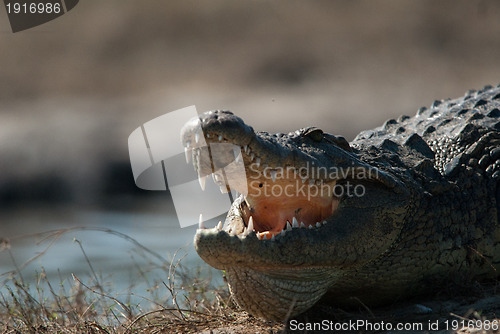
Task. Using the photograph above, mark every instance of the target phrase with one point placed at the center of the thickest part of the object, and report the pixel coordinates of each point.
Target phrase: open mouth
(274, 199)
(281, 199)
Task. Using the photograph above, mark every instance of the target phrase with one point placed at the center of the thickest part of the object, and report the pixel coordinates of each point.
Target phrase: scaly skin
(427, 215)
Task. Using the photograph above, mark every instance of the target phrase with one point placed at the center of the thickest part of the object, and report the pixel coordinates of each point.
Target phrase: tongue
(272, 213)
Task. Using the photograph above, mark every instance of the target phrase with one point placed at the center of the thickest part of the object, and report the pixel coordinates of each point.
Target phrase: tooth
(273, 175)
(302, 225)
(245, 148)
(187, 152)
(311, 182)
(310, 227)
(273, 238)
(219, 226)
(282, 232)
(295, 223)
(257, 162)
(288, 226)
(208, 135)
(201, 225)
(318, 224)
(250, 224)
(197, 137)
(304, 180)
(223, 189)
(252, 156)
(202, 180)
(220, 138)
(232, 233)
(188, 143)
(324, 222)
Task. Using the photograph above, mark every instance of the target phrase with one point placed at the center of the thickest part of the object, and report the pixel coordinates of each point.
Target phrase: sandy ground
(460, 314)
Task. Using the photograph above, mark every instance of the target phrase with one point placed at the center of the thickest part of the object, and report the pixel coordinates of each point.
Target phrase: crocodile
(402, 210)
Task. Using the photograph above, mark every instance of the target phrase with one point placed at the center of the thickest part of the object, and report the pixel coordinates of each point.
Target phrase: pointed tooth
(273, 174)
(311, 182)
(288, 226)
(273, 238)
(187, 152)
(202, 180)
(219, 225)
(197, 137)
(245, 148)
(295, 223)
(324, 222)
(250, 224)
(318, 224)
(302, 225)
(232, 233)
(201, 225)
(252, 156)
(188, 143)
(304, 180)
(257, 162)
(282, 233)
(310, 227)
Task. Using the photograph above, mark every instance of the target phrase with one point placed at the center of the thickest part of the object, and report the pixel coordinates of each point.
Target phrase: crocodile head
(309, 211)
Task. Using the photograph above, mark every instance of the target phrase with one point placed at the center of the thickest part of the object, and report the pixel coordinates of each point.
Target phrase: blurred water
(129, 251)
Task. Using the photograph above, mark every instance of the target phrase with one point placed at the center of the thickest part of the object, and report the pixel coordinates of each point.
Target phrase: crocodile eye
(313, 133)
(339, 141)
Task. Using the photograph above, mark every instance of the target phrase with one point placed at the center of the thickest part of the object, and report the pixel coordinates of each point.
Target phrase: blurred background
(73, 89)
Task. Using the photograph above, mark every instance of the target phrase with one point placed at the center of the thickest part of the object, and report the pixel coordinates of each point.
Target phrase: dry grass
(91, 306)
(195, 304)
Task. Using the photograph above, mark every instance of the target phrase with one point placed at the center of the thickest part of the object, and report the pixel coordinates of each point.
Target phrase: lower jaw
(277, 295)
